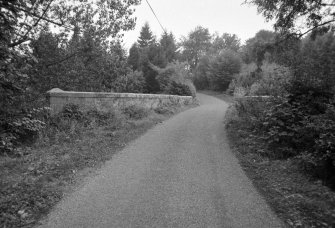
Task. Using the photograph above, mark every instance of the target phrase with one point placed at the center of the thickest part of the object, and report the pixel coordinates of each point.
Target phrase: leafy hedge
(21, 129)
(132, 82)
(301, 126)
(175, 79)
(272, 79)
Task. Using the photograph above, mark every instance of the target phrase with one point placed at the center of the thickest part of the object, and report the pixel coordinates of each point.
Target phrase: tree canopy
(23, 20)
(225, 41)
(146, 37)
(84, 54)
(289, 14)
(195, 45)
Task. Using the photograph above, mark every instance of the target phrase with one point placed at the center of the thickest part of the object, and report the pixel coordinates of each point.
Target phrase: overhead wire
(152, 10)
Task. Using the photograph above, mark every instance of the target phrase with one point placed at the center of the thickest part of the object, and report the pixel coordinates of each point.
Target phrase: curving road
(179, 174)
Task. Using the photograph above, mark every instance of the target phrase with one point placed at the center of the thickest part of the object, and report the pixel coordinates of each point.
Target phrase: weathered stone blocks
(108, 101)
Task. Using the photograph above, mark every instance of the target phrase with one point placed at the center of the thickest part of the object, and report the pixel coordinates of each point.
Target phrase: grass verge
(32, 183)
(296, 197)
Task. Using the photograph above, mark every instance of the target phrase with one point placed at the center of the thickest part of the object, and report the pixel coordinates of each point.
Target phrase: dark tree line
(212, 58)
(33, 59)
(148, 51)
(299, 122)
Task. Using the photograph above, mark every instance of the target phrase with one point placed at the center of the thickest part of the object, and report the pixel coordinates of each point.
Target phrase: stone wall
(109, 101)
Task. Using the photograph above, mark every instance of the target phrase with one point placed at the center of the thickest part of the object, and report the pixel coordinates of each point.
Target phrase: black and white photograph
(167, 113)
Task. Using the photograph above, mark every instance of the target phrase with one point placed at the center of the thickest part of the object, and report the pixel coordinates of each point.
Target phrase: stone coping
(241, 97)
(61, 93)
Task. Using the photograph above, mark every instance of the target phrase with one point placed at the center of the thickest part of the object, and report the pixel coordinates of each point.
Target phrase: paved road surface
(179, 174)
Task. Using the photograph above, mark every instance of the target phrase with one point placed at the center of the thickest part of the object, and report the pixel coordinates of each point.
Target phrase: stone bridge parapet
(102, 101)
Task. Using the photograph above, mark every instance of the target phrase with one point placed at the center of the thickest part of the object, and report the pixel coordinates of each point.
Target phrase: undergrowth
(299, 128)
(73, 143)
(278, 151)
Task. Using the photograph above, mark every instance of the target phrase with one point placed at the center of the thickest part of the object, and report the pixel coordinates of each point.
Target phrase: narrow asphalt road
(179, 174)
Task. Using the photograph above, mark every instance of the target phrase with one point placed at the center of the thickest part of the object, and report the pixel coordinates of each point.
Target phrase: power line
(155, 16)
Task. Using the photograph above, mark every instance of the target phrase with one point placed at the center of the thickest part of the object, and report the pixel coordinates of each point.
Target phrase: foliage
(244, 79)
(195, 45)
(205, 54)
(224, 42)
(58, 61)
(256, 49)
(294, 126)
(175, 79)
(147, 51)
(136, 112)
(146, 37)
(304, 126)
(23, 20)
(288, 15)
(201, 77)
(272, 80)
(133, 82)
(21, 128)
(134, 57)
(298, 199)
(315, 64)
(31, 185)
(72, 111)
(72, 122)
(299, 120)
(168, 48)
(180, 89)
(93, 67)
(222, 68)
(150, 55)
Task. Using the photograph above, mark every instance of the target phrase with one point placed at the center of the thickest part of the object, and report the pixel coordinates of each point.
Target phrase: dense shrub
(71, 111)
(21, 129)
(272, 80)
(176, 88)
(304, 126)
(201, 74)
(244, 79)
(72, 122)
(222, 69)
(299, 118)
(133, 82)
(164, 109)
(136, 112)
(175, 79)
(315, 64)
(293, 126)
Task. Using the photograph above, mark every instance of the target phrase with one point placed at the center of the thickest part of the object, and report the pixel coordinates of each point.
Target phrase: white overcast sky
(182, 16)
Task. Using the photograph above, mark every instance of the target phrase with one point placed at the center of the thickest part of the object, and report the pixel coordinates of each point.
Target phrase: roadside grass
(299, 199)
(32, 183)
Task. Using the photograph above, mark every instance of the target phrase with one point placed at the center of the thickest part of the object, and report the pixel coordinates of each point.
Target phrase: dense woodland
(75, 46)
(295, 67)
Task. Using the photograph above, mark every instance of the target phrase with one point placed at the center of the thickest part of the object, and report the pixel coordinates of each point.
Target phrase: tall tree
(288, 14)
(150, 53)
(196, 44)
(224, 42)
(168, 47)
(256, 48)
(22, 21)
(134, 58)
(222, 69)
(146, 37)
